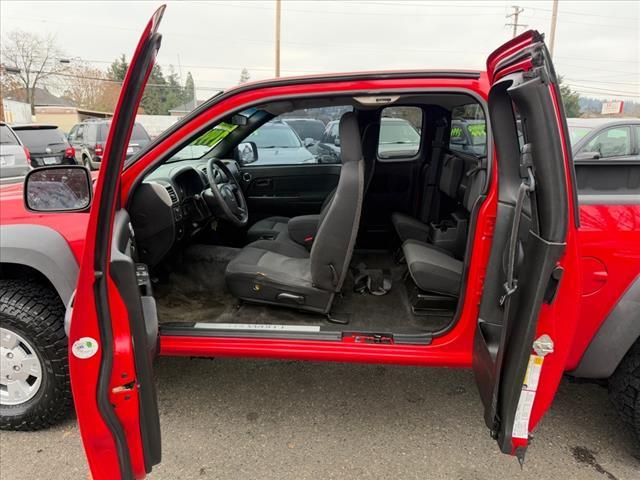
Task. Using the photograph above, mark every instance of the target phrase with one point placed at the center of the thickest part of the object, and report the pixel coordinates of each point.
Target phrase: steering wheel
(227, 196)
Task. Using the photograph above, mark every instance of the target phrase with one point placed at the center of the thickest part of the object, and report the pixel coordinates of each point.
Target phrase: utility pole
(516, 12)
(278, 6)
(554, 20)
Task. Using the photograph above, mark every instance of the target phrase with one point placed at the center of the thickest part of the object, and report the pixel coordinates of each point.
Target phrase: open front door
(528, 311)
(114, 328)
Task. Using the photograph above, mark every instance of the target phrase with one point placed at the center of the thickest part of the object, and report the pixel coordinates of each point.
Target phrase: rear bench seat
(409, 227)
(433, 268)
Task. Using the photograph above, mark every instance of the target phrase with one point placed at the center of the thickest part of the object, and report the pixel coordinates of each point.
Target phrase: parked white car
(15, 160)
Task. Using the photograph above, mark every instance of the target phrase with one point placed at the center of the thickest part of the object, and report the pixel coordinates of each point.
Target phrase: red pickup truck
(407, 248)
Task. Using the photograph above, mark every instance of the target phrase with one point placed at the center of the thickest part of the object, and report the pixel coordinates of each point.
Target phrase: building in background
(15, 111)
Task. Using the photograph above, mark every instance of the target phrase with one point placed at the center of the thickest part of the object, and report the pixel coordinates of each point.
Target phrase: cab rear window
(468, 130)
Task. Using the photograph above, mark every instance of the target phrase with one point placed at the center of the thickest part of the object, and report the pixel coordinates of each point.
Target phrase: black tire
(87, 163)
(36, 313)
(624, 388)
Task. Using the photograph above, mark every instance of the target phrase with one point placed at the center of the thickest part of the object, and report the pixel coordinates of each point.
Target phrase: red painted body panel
(609, 236)
(100, 442)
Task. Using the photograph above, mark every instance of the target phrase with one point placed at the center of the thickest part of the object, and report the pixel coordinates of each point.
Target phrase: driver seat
(284, 273)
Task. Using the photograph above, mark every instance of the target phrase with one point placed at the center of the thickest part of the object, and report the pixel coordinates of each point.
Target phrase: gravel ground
(246, 419)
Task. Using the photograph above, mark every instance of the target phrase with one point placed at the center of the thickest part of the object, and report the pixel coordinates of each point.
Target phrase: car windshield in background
(6, 137)
(275, 136)
(398, 133)
(578, 133)
(38, 139)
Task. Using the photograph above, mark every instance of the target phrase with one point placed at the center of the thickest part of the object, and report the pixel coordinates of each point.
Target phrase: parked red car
(432, 257)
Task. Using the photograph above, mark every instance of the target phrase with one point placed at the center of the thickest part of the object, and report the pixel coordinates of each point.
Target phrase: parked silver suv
(14, 157)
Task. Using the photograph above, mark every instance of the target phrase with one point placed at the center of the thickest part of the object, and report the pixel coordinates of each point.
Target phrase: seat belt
(430, 204)
(526, 189)
(374, 281)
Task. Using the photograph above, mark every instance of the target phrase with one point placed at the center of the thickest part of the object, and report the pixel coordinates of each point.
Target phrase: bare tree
(89, 88)
(37, 59)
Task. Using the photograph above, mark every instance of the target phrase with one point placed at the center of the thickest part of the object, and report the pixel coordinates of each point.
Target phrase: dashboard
(169, 207)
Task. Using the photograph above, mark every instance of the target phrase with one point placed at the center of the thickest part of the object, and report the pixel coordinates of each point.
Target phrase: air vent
(172, 194)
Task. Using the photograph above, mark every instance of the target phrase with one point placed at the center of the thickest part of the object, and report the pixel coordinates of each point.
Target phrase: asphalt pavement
(251, 419)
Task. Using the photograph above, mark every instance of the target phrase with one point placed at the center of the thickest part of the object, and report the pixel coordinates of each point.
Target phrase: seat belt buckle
(508, 291)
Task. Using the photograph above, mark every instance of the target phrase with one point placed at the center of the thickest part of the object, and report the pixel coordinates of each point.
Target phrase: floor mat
(195, 291)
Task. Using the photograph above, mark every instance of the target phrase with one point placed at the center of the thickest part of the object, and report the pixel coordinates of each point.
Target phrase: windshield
(38, 139)
(577, 133)
(204, 143)
(398, 132)
(6, 137)
(274, 136)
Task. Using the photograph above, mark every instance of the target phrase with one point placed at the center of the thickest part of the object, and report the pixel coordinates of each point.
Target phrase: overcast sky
(597, 43)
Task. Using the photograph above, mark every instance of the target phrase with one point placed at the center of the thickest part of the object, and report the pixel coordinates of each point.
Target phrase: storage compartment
(451, 233)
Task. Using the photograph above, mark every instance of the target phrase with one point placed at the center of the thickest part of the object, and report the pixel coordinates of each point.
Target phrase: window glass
(38, 139)
(90, 134)
(468, 130)
(577, 133)
(6, 137)
(399, 133)
(300, 137)
(613, 142)
(80, 133)
(72, 133)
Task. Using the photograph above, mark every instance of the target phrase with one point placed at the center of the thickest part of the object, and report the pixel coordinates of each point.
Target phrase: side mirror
(336, 142)
(309, 142)
(246, 152)
(65, 188)
(587, 156)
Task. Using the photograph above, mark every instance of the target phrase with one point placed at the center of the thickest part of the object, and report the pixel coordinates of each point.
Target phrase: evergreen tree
(118, 69)
(244, 76)
(189, 89)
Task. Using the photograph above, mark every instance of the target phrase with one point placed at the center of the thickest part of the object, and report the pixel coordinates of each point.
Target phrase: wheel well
(16, 271)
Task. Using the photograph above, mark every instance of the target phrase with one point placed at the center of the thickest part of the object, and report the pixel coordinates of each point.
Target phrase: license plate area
(7, 160)
(50, 160)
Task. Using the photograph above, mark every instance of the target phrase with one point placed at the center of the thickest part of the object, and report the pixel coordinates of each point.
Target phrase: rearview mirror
(246, 152)
(587, 156)
(65, 188)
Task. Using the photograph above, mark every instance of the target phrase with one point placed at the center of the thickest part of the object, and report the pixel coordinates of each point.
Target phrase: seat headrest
(350, 143)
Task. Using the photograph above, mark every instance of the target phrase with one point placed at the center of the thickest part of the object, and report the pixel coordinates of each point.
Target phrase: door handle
(263, 182)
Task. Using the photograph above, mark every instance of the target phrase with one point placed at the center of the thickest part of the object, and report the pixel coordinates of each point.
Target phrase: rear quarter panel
(609, 241)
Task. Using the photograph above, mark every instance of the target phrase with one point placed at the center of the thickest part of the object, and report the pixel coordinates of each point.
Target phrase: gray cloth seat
(449, 182)
(285, 273)
(267, 228)
(469, 188)
(433, 269)
(275, 228)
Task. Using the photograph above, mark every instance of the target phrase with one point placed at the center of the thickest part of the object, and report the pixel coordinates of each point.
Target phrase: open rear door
(528, 311)
(114, 331)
